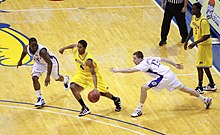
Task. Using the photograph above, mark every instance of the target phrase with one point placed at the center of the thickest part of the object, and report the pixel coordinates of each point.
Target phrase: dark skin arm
(23, 54)
(46, 57)
(91, 66)
(203, 38)
(61, 50)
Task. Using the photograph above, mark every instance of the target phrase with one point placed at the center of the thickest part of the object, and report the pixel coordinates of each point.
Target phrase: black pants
(170, 11)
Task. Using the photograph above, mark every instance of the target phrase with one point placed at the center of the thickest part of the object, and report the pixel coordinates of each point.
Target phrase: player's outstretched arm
(178, 66)
(61, 50)
(126, 70)
(23, 54)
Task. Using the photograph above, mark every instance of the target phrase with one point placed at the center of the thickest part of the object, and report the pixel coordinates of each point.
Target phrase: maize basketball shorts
(86, 81)
(204, 56)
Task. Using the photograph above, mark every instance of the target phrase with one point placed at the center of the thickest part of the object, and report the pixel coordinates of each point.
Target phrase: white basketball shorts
(168, 81)
(38, 69)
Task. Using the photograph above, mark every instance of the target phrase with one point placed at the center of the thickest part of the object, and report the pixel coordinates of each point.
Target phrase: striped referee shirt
(175, 1)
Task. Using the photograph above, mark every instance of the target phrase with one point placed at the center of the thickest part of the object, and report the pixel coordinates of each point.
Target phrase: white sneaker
(40, 102)
(84, 112)
(210, 87)
(136, 113)
(66, 82)
(208, 102)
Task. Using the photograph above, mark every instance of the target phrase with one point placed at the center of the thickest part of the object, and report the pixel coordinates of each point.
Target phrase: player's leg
(58, 77)
(76, 89)
(143, 97)
(211, 86)
(116, 100)
(206, 100)
(78, 83)
(103, 89)
(199, 88)
(40, 101)
(37, 71)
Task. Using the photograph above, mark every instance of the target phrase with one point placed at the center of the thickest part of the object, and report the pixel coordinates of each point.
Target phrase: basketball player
(163, 78)
(200, 30)
(44, 61)
(87, 74)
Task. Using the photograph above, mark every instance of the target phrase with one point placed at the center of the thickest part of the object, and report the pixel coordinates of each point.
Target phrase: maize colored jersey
(80, 61)
(83, 76)
(200, 28)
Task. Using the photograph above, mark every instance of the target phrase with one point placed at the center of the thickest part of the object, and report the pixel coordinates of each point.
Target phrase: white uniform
(163, 76)
(40, 66)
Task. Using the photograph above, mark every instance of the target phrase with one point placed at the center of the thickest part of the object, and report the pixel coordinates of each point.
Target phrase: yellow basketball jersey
(80, 61)
(200, 27)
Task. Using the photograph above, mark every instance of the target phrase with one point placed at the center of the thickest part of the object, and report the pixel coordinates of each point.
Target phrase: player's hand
(111, 69)
(96, 89)
(183, 10)
(47, 81)
(179, 66)
(19, 64)
(191, 45)
(185, 45)
(61, 50)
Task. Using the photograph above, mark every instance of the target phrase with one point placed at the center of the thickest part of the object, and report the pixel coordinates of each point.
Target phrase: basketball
(93, 96)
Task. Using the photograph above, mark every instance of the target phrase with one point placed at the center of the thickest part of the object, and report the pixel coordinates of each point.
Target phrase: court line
(71, 110)
(78, 8)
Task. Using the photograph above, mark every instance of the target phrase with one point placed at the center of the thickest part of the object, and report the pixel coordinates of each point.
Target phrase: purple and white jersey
(37, 57)
(152, 66)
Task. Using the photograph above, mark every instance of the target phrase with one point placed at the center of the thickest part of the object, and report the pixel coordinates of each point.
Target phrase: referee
(176, 8)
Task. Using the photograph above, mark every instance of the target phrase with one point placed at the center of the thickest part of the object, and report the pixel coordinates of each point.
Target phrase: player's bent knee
(35, 78)
(75, 87)
(144, 87)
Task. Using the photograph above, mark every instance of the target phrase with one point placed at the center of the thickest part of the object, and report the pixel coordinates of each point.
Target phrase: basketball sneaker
(84, 112)
(210, 87)
(66, 82)
(208, 102)
(137, 112)
(199, 89)
(40, 102)
(117, 103)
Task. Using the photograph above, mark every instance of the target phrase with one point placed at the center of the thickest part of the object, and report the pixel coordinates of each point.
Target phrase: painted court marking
(79, 8)
(85, 118)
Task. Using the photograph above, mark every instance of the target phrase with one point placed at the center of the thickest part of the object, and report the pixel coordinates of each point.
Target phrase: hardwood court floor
(114, 30)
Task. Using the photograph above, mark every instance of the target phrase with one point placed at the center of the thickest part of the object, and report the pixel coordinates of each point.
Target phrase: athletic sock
(82, 103)
(201, 97)
(140, 106)
(114, 98)
(38, 93)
